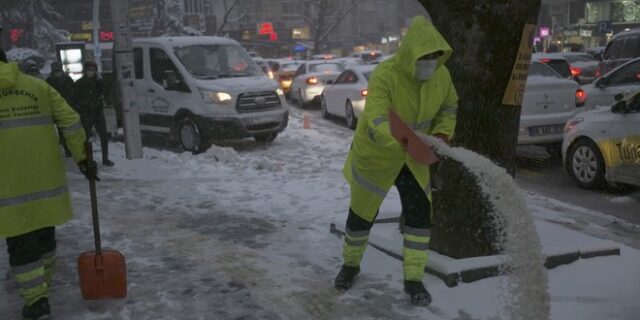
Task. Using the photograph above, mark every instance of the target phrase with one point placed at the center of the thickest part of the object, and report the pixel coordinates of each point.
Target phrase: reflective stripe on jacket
(33, 187)
(429, 106)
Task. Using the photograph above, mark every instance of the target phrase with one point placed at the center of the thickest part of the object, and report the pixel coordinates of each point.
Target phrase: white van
(200, 89)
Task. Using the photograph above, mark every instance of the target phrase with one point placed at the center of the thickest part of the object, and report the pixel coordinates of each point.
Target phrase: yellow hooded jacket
(376, 158)
(33, 186)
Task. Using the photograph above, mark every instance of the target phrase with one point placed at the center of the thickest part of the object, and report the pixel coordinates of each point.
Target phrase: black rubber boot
(345, 277)
(38, 311)
(419, 294)
(107, 162)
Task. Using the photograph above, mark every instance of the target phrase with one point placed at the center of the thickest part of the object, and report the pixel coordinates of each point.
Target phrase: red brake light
(364, 92)
(575, 71)
(545, 60)
(581, 97)
(598, 73)
(312, 80)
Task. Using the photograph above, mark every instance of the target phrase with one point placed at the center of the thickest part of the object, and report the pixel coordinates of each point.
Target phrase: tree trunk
(485, 36)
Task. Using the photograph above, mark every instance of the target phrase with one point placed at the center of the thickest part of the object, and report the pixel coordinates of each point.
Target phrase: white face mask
(425, 69)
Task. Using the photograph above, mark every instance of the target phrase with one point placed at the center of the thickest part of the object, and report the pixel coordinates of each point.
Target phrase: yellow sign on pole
(514, 93)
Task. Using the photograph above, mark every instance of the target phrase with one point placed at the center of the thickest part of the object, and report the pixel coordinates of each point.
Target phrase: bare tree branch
(339, 19)
(227, 13)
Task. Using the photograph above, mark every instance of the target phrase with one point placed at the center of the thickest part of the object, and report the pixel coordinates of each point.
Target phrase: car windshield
(560, 66)
(326, 67)
(580, 58)
(541, 70)
(216, 61)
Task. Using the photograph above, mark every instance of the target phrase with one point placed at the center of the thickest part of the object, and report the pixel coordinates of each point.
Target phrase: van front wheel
(189, 136)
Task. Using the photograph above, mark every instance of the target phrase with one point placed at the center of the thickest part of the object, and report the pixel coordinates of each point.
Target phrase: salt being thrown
(525, 283)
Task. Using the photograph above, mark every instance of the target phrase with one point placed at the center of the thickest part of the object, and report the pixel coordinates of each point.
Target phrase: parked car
(603, 146)
(368, 56)
(200, 89)
(549, 101)
(623, 79)
(622, 47)
(311, 78)
(557, 62)
(347, 95)
(582, 65)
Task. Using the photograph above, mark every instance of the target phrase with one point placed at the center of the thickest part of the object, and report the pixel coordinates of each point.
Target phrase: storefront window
(593, 12)
(624, 11)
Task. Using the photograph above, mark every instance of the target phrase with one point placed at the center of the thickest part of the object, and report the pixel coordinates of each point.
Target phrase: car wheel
(352, 121)
(189, 136)
(586, 165)
(323, 108)
(266, 137)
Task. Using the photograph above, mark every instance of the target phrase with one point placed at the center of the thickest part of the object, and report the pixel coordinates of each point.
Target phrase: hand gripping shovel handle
(94, 201)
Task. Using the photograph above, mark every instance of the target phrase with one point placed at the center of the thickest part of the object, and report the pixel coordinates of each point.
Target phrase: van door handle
(151, 90)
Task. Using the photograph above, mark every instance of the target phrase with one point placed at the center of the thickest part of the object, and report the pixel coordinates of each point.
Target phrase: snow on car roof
(187, 41)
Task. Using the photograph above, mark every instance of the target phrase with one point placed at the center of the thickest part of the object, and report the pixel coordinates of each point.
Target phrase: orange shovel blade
(102, 276)
(418, 149)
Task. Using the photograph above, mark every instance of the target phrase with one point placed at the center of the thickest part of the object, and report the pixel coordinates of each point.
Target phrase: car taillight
(545, 60)
(581, 98)
(270, 74)
(598, 74)
(364, 92)
(575, 71)
(312, 80)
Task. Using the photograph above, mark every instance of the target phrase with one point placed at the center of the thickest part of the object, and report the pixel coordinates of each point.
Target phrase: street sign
(605, 26)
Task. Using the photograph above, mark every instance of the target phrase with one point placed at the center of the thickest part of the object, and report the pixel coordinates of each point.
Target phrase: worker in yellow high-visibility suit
(417, 85)
(34, 197)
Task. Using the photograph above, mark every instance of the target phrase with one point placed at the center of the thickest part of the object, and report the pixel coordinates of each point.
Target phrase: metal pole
(97, 51)
(123, 53)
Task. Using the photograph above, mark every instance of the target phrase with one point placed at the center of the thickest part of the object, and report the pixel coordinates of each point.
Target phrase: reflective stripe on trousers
(31, 280)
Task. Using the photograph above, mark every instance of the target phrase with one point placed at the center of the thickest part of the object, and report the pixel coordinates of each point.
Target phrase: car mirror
(619, 107)
(618, 97)
(601, 83)
(172, 82)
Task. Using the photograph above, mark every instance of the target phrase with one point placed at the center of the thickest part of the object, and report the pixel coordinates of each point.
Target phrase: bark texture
(485, 36)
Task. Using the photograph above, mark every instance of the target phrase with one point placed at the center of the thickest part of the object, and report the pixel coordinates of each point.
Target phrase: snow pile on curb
(525, 289)
(230, 157)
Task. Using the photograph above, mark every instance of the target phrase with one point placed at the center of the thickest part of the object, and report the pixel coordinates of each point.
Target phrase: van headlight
(217, 97)
(280, 92)
(572, 123)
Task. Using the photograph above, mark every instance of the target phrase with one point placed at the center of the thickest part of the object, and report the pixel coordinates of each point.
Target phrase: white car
(347, 95)
(603, 145)
(624, 79)
(368, 56)
(311, 78)
(549, 101)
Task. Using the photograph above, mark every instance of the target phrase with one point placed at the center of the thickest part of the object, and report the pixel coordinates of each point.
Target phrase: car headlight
(280, 92)
(217, 97)
(572, 123)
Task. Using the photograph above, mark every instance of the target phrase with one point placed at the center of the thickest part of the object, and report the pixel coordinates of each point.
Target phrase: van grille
(257, 101)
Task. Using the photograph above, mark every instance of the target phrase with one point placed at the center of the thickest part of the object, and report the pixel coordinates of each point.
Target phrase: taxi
(602, 146)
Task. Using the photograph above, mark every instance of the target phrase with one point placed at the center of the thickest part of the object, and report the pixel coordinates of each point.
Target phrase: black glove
(90, 170)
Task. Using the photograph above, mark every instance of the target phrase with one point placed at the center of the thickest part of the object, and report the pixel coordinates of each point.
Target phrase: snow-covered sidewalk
(243, 233)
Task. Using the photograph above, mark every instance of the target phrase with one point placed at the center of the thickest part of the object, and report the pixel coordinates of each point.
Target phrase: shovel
(418, 149)
(103, 274)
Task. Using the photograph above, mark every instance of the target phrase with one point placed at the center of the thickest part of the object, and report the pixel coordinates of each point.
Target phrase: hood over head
(8, 75)
(422, 38)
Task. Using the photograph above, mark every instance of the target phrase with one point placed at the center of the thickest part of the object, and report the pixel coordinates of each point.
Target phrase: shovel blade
(418, 149)
(102, 276)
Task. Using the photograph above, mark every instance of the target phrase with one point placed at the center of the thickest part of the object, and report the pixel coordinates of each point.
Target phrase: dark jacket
(63, 84)
(87, 96)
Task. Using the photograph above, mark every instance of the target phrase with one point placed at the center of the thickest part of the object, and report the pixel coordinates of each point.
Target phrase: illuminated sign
(266, 28)
(15, 35)
(81, 36)
(106, 36)
(544, 32)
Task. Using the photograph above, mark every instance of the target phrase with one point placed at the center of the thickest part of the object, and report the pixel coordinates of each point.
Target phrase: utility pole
(123, 55)
(97, 50)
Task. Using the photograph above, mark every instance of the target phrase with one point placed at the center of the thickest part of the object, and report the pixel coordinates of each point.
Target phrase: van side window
(138, 63)
(160, 63)
(631, 47)
(615, 49)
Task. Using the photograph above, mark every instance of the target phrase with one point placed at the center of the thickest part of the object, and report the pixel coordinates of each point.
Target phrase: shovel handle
(94, 201)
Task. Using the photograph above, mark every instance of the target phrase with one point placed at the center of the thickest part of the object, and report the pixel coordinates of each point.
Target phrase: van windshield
(216, 61)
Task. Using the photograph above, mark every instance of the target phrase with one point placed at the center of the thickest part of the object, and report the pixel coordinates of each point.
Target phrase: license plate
(261, 120)
(546, 130)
